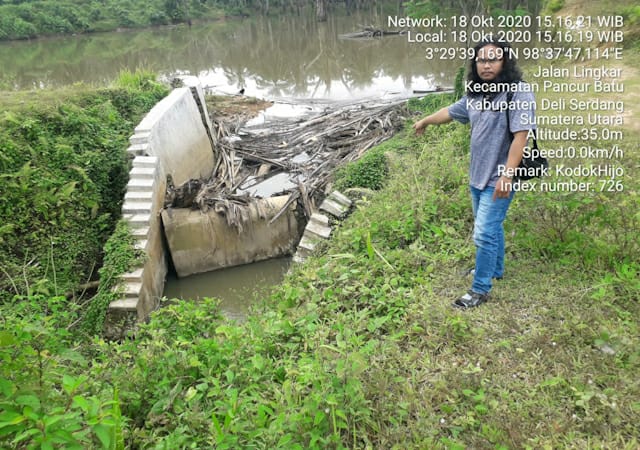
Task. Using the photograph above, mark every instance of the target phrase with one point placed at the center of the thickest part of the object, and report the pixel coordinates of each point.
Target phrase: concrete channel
(176, 139)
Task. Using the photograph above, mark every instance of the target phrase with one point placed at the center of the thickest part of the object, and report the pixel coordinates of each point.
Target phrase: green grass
(64, 169)
(532, 367)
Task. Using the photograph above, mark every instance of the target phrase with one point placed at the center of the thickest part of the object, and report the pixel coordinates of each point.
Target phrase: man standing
(500, 108)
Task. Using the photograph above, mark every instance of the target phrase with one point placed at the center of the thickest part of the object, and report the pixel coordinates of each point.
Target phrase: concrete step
(141, 244)
(140, 233)
(307, 244)
(319, 230)
(143, 128)
(140, 184)
(135, 276)
(334, 208)
(320, 219)
(138, 196)
(131, 207)
(131, 290)
(142, 172)
(138, 150)
(340, 198)
(139, 220)
(126, 304)
(140, 138)
(297, 258)
(145, 161)
(303, 253)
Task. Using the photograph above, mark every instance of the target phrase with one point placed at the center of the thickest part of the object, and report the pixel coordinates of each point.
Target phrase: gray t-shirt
(490, 138)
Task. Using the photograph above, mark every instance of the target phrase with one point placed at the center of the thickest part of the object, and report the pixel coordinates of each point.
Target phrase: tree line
(26, 19)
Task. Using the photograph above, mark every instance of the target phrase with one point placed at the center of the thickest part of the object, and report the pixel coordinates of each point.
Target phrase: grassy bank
(64, 170)
(360, 347)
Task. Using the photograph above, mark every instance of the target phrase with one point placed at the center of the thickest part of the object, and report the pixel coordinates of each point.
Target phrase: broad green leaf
(68, 188)
(26, 435)
(51, 420)
(70, 384)
(29, 400)
(81, 402)
(71, 355)
(6, 338)
(284, 440)
(218, 428)
(10, 418)
(29, 413)
(105, 434)
(9, 429)
(191, 392)
(340, 413)
(66, 438)
(7, 388)
(369, 246)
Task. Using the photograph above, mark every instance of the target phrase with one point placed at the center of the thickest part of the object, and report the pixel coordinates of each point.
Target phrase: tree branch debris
(296, 159)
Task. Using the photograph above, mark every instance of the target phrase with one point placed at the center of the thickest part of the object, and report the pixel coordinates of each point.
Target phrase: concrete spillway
(176, 139)
(202, 242)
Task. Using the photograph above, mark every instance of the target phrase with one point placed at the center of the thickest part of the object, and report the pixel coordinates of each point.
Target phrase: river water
(290, 59)
(270, 57)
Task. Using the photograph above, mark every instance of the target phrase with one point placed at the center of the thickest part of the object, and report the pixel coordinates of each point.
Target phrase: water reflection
(236, 287)
(270, 57)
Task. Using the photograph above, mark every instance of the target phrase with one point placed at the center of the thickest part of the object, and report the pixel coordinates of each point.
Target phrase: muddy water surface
(238, 288)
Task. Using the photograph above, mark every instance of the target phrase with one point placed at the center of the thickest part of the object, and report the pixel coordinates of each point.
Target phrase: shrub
(555, 5)
(64, 171)
(44, 401)
(369, 172)
(632, 14)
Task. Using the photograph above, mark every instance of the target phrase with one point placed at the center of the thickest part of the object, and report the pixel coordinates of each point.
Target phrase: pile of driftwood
(308, 152)
(370, 32)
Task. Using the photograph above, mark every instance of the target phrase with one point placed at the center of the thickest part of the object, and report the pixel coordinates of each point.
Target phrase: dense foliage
(369, 172)
(31, 18)
(63, 172)
(27, 19)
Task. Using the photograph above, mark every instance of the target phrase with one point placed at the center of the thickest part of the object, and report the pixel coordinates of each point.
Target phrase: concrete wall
(202, 242)
(174, 132)
(174, 138)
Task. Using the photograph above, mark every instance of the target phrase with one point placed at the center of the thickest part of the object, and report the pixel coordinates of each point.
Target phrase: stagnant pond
(236, 287)
(283, 58)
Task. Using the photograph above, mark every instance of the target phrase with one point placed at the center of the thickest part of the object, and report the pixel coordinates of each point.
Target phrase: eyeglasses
(491, 61)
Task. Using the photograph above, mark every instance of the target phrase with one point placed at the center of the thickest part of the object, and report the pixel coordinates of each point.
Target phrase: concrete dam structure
(175, 139)
(201, 199)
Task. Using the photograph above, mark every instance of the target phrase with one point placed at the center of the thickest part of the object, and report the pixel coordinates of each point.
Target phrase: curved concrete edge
(178, 132)
(174, 138)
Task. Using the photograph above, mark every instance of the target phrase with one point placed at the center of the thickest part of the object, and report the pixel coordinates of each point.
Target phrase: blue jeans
(488, 235)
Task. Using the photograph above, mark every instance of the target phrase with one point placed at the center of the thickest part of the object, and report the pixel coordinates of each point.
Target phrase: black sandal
(471, 300)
